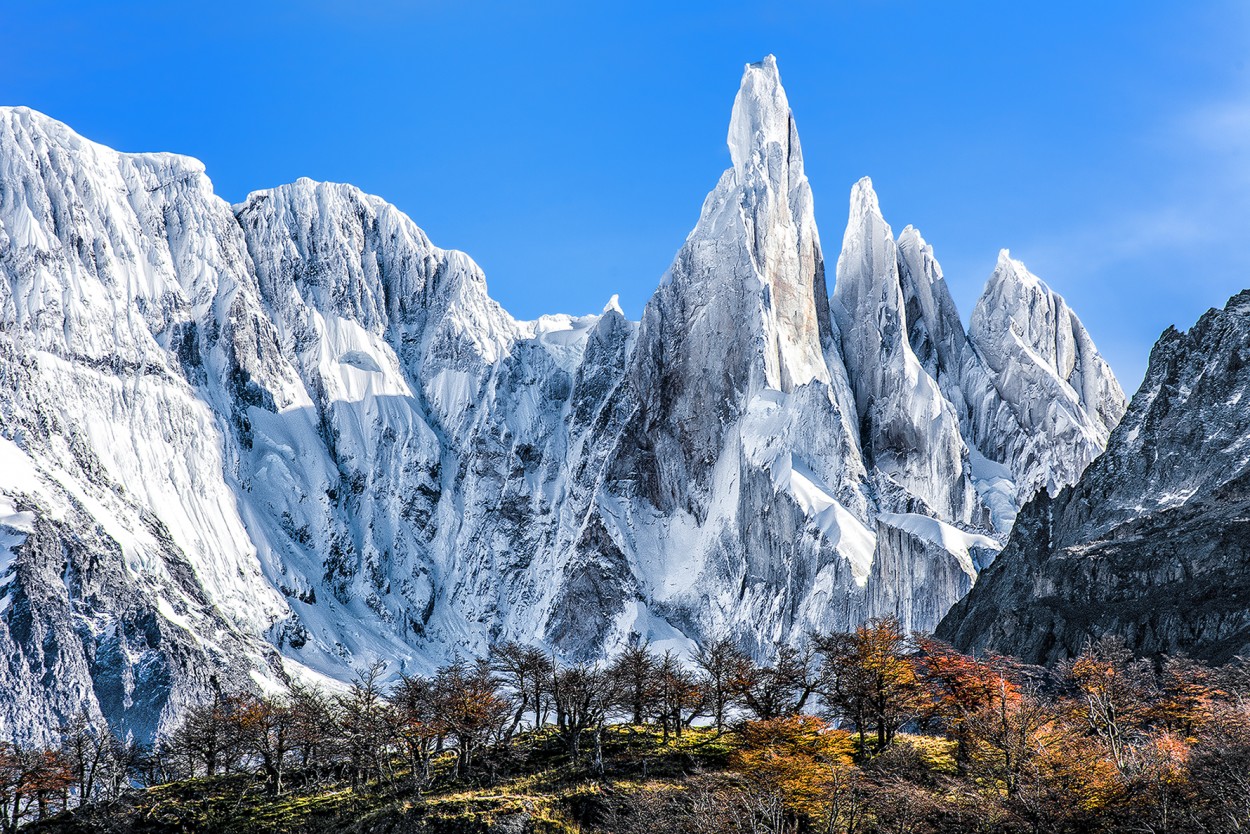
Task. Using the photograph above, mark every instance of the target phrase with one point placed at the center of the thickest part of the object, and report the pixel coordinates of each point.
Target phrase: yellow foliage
(797, 757)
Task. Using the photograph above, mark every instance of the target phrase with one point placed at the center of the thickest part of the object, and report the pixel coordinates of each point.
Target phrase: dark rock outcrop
(1153, 541)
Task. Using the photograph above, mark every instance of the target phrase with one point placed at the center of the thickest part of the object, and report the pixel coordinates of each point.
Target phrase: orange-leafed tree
(1113, 694)
(1160, 790)
(1006, 739)
(799, 758)
(958, 686)
(32, 783)
(1189, 695)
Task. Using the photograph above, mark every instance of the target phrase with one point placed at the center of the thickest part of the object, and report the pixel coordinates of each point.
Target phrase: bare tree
(582, 695)
(314, 728)
(778, 690)
(525, 671)
(86, 748)
(632, 674)
(364, 725)
(680, 698)
(720, 663)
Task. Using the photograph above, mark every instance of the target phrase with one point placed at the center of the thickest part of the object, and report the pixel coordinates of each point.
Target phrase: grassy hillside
(533, 788)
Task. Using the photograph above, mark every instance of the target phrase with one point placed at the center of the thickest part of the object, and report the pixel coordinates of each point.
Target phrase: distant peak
(768, 64)
(1008, 270)
(910, 236)
(613, 305)
(761, 113)
(864, 201)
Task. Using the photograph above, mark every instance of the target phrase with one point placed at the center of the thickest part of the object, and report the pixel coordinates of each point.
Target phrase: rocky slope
(279, 440)
(1151, 542)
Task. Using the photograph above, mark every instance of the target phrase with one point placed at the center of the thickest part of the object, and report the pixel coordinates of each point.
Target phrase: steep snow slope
(285, 438)
(136, 577)
(1040, 398)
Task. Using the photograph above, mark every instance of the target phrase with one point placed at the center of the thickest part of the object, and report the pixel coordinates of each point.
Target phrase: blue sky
(568, 146)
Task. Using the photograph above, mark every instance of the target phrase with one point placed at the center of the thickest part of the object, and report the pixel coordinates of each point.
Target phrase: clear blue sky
(568, 146)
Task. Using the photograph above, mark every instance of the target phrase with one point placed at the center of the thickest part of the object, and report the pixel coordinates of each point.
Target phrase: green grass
(535, 781)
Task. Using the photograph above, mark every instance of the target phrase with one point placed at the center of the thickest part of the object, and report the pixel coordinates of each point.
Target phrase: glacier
(246, 445)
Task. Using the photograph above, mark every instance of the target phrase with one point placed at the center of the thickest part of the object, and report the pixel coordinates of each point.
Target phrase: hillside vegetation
(861, 732)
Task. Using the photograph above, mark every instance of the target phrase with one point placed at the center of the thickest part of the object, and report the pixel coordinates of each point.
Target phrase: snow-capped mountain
(1150, 543)
(278, 440)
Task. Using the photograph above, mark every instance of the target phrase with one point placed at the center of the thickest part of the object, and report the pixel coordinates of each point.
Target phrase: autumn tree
(471, 707)
(869, 679)
(1160, 791)
(32, 780)
(1004, 736)
(1112, 694)
(957, 686)
(1187, 697)
(799, 758)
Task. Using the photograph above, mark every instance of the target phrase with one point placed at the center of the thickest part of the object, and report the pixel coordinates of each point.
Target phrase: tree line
(861, 731)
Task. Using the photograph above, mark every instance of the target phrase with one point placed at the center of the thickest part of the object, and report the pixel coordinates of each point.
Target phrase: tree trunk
(599, 749)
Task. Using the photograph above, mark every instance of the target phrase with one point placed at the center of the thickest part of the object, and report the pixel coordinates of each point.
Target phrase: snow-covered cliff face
(130, 328)
(1151, 542)
(1048, 385)
(247, 444)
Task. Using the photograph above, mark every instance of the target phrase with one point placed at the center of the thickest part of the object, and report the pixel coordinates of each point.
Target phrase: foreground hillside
(868, 731)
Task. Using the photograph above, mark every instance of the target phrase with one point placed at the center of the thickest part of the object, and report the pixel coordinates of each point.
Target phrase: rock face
(1152, 542)
(241, 445)
(1047, 386)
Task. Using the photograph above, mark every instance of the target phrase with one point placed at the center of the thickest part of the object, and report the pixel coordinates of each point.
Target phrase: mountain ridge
(307, 438)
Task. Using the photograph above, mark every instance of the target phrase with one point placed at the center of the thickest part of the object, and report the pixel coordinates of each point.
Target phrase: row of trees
(817, 731)
(1102, 743)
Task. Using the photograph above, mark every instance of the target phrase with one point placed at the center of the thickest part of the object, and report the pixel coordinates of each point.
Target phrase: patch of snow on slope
(853, 539)
(995, 484)
(361, 361)
(660, 635)
(950, 538)
(563, 336)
